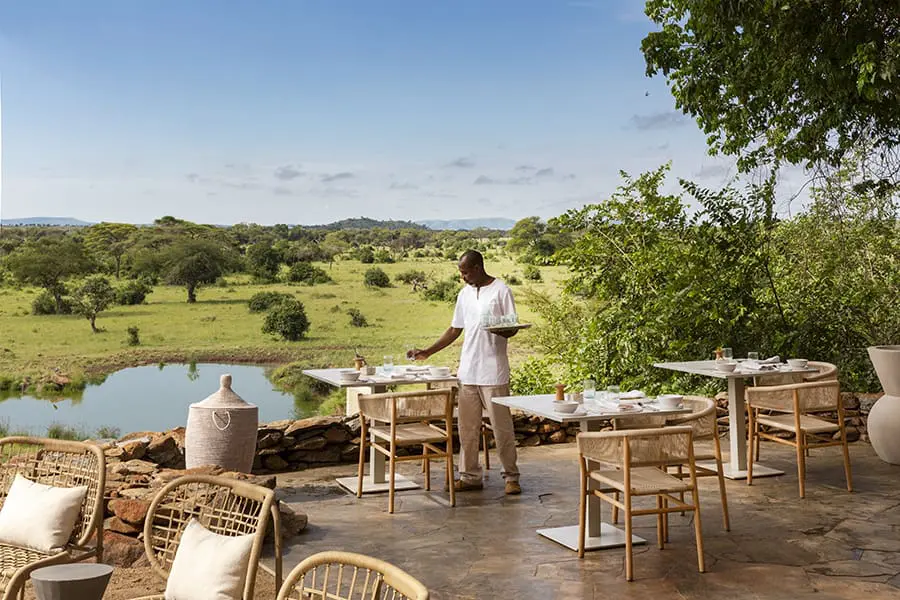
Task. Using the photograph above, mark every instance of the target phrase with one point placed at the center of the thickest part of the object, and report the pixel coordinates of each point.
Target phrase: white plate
(506, 327)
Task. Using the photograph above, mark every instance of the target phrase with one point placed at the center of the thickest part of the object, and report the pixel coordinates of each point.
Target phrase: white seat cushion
(209, 566)
(40, 517)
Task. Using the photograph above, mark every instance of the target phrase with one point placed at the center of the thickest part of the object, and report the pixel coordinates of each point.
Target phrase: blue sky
(308, 111)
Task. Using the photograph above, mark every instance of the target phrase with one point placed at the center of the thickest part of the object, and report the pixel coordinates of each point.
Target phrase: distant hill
(500, 223)
(367, 223)
(45, 222)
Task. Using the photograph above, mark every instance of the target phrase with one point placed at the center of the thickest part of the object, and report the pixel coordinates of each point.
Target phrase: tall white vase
(884, 418)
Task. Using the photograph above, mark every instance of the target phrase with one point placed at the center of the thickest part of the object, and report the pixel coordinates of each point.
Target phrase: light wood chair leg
(681, 477)
(660, 536)
(427, 462)
(698, 529)
(392, 478)
(629, 557)
(752, 433)
(756, 419)
(362, 458)
(666, 521)
(846, 449)
(582, 509)
(801, 462)
(721, 476)
(615, 510)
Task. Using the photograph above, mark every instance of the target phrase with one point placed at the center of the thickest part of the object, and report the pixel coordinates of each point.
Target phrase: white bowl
(439, 371)
(349, 375)
(565, 407)
(797, 363)
(727, 367)
(669, 400)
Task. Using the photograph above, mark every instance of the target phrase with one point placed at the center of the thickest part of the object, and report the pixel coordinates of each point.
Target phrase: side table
(84, 581)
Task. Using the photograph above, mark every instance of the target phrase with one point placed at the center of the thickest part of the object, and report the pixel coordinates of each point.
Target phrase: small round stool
(85, 581)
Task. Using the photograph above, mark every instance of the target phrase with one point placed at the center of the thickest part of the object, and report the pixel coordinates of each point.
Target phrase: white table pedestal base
(610, 537)
(731, 473)
(372, 487)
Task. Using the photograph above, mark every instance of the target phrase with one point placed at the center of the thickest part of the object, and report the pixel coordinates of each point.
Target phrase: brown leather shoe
(461, 485)
(512, 488)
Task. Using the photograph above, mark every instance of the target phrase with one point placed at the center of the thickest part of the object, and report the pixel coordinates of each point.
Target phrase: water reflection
(152, 398)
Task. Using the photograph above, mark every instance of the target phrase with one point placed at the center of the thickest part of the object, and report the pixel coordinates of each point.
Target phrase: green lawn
(219, 328)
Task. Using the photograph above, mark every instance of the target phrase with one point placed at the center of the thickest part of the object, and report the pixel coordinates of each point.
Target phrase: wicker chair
(411, 421)
(349, 576)
(635, 466)
(223, 506)
(60, 464)
(793, 408)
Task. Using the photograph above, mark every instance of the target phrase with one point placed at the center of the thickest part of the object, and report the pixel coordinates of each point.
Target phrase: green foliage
(531, 273)
(445, 290)
(382, 256)
(512, 279)
(45, 304)
(413, 277)
(192, 262)
(534, 376)
(64, 432)
(366, 255)
(111, 241)
(91, 297)
(263, 261)
(106, 432)
(357, 319)
(375, 277)
(261, 301)
(774, 82)
(134, 337)
(287, 319)
(304, 272)
(535, 241)
(47, 262)
(133, 292)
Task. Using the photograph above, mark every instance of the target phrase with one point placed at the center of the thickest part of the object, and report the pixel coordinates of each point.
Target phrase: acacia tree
(785, 81)
(112, 240)
(47, 262)
(194, 261)
(91, 297)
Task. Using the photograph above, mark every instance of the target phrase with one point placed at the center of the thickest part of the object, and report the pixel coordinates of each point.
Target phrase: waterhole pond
(152, 398)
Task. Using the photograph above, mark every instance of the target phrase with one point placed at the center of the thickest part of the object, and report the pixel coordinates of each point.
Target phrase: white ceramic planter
(884, 418)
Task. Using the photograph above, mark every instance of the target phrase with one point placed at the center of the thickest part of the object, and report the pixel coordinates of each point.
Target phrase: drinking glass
(589, 389)
(753, 355)
(388, 365)
(612, 392)
(728, 354)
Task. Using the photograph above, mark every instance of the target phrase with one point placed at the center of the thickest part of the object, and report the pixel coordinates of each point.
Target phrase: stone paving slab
(830, 545)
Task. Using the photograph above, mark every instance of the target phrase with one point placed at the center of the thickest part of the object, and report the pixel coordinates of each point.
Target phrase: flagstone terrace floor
(830, 545)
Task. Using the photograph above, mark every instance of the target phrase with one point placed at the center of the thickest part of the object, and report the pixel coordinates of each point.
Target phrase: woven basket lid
(224, 397)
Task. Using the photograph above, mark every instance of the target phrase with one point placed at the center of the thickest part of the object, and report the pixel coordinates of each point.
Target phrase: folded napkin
(760, 365)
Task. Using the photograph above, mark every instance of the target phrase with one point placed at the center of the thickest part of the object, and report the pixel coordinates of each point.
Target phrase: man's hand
(416, 354)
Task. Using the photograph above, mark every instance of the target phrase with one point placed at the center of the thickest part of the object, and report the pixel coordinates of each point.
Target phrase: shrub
(134, 338)
(63, 432)
(512, 280)
(357, 319)
(532, 273)
(532, 377)
(375, 277)
(265, 300)
(45, 304)
(365, 255)
(417, 279)
(443, 291)
(382, 256)
(304, 272)
(132, 292)
(287, 319)
(105, 432)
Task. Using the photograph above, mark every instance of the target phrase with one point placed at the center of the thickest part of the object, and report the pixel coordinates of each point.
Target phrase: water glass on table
(753, 356)
(387, 366)
(728, 354)
(612, 393)
(589, 389)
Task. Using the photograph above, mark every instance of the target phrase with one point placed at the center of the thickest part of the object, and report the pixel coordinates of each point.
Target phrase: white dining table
(376, 481)
(599, 535)
(736, 467)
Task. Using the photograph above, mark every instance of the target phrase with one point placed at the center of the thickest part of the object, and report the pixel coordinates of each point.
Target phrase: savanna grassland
(220, 328)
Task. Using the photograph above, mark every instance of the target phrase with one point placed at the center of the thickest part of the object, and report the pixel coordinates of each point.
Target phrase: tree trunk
(118, 265)
(57, 296)
(192, 293)
(93, 320)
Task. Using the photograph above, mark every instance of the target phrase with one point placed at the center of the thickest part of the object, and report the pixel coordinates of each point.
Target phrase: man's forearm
(445, 340)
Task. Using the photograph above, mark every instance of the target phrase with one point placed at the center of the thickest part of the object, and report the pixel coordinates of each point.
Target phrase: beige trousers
(473, 399)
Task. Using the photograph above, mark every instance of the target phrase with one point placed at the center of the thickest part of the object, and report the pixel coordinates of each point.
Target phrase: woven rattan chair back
(59, 463)
(406, 407)
(349, 576)
(223, 506)
(702, 418)
(814, 396)
(646, 447)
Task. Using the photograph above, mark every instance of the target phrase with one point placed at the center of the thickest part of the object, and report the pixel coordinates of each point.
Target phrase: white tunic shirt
(483, 360)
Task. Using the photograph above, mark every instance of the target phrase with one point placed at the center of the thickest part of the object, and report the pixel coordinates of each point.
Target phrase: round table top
(72, 572)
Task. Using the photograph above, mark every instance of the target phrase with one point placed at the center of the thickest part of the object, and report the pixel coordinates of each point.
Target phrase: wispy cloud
(287, 172)
(546, 172)
(524, 168)
(661, 120)
(462, 163)
(337, 176)
(712, 172)
(403, 185)
(485, 180)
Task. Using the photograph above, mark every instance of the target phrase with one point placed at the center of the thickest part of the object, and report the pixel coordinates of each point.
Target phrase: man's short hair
(472, 257)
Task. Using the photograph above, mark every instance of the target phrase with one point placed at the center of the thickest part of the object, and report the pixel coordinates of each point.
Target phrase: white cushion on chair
(40, 517)
(208, 566)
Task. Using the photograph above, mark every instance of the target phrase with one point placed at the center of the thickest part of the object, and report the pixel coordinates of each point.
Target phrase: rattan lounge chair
(60, 464)
(349, 576)
(223, 506)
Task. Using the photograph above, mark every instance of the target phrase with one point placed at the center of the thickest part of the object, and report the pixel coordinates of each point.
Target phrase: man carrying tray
(483, 371)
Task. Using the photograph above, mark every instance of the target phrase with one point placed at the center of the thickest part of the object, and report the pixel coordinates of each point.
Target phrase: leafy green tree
(525, 234)
(110, 240)
(303, 272)
(47, 262)
(263, 261)
(784, 81)
(192, 262)
(376, 277)
(91, 297)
